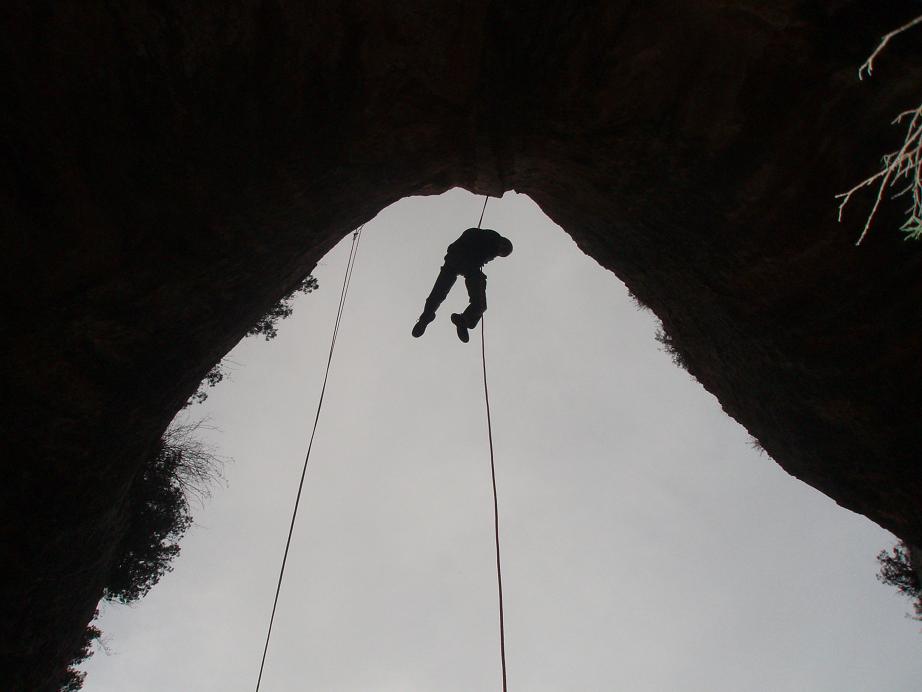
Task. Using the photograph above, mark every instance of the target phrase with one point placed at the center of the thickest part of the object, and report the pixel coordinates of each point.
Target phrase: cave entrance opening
(645, 544)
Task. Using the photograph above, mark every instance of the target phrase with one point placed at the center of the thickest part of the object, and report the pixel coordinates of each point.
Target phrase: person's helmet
(505, 247)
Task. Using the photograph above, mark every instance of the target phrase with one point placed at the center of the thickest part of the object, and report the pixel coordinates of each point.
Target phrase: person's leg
(477, 293)
(443, 283)
(457, 319)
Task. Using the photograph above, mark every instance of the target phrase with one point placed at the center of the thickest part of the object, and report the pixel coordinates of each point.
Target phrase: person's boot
(420, 327)
(461, 324)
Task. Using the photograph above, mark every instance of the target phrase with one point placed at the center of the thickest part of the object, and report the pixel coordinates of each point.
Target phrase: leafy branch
(267, 326)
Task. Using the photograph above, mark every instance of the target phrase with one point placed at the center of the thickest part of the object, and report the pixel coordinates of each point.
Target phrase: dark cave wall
(169, 172)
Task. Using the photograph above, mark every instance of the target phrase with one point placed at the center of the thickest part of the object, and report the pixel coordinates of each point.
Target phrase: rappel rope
(347, 279)
(486, 199)
(499, 571)
(486, 397)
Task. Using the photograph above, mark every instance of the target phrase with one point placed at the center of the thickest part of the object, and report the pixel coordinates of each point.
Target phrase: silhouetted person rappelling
(465, 257)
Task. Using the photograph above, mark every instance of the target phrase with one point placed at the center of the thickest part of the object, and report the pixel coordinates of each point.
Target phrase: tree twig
(868, 65)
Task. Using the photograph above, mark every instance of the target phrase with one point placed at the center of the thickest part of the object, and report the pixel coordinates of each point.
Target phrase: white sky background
(646, 546)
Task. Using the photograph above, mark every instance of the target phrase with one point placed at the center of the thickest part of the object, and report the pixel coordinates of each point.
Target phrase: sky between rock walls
(646, 545)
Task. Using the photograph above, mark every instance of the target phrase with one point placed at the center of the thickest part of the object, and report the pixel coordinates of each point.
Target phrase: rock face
(170, 171)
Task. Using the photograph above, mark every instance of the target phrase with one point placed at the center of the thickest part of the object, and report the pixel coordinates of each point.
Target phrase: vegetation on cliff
(266, 326)
(182, 470)
(159, 511)
(896, 569)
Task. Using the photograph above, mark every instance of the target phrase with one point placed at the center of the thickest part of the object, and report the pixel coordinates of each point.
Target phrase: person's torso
(474, 248)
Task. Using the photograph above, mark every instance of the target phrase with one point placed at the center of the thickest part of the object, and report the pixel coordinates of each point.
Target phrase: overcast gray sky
(646, 546)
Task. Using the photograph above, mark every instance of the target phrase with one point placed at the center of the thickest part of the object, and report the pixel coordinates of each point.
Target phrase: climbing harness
(356, 237)
(347, 280)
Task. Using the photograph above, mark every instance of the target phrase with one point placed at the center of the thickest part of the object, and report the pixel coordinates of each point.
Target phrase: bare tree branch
(868, 65)
(905, 163)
